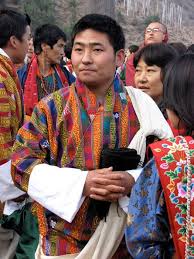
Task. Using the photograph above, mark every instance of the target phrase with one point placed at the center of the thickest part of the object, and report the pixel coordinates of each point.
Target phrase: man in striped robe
(14, 35)
(57, 153)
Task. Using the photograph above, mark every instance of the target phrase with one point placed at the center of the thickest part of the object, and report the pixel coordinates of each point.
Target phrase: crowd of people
(96, 142)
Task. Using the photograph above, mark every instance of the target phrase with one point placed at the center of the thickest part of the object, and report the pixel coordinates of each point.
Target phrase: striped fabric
(10, 107)
(69, 129)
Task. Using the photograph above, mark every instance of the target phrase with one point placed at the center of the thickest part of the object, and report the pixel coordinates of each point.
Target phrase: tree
(72, 6)
(40, 11)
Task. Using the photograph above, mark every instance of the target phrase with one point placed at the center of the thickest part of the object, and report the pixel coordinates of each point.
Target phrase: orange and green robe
(68, 129)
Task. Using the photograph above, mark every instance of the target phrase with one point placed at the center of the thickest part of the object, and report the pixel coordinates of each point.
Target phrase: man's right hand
(104, 184)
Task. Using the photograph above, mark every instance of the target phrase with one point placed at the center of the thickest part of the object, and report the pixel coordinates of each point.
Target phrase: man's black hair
(133, 48)
(12, 24)
(104, 24)
(49, 34)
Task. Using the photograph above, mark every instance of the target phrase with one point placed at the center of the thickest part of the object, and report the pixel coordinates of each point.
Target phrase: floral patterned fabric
(148, 231)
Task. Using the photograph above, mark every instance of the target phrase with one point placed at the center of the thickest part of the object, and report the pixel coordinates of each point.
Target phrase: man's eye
(98, 50)
(78, 49)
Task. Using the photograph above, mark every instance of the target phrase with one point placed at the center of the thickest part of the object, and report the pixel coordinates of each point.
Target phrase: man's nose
(87, 57)
(62, 52)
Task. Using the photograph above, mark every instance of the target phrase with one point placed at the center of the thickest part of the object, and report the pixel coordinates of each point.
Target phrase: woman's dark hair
(179, 47)
(179, 88)
(191, 48)
(12, 24)
(159, 54)
(49, 34)
(104, 24)
(68, 50)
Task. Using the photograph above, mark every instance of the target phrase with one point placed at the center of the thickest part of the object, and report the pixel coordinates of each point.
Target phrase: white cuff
(124, 201)
(58, 189)
(8, 190)
(135, 173)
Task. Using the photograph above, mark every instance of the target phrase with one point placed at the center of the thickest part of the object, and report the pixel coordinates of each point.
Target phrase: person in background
(28, 56)
(151, 64)
(165, 200)
(122, 69)
(14, 37)
(131, 49)
(66, 61)
(30, 52)
(57, 153)
(155, 32)
(44, 75)
(179, 47)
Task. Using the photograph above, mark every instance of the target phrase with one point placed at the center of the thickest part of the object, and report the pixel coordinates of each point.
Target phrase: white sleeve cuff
(8, 190)
(124, 201)
(135, 173)
(58, 189)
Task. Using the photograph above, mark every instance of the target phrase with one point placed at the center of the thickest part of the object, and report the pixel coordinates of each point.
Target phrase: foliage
(120, 17)
(73, 6)
(40, 11)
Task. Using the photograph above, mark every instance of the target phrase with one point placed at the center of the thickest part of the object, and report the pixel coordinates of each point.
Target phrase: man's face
(154, 33)
(21, 47)
(148, 79)
(93, 58)
(30, 49)
(56, 53)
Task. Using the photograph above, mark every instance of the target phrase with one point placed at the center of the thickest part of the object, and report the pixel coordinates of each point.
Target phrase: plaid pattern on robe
(10, 107)
(69, 129)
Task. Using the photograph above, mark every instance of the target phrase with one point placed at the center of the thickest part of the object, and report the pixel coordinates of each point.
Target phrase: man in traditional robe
(57, 153)
(14, 36)
(44, 74)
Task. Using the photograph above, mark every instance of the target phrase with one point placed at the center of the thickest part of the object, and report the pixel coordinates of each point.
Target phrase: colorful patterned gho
(11, 114)
(78, 128)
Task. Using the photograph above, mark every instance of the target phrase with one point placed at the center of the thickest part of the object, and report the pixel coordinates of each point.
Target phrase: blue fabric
(22, 74)
(148, 234)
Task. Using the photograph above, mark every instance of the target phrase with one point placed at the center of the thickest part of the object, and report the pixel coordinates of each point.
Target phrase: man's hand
(106, 185)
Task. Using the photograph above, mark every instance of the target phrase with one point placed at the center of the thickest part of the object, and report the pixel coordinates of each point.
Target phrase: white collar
(3, 53)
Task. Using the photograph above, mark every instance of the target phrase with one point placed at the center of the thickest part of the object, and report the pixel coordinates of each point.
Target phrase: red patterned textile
(31, 88)
(172, 158)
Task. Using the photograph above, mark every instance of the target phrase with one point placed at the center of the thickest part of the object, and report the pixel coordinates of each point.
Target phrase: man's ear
(165, 37)
(120, 57)
(44, 47)
(13, 41)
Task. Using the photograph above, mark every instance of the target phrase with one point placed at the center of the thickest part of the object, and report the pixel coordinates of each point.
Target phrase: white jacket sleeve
(58, 189)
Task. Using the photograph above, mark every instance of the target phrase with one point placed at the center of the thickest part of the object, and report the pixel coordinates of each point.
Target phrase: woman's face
(148, 79)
